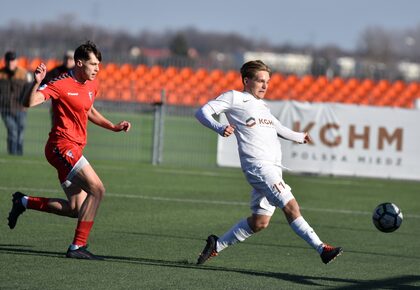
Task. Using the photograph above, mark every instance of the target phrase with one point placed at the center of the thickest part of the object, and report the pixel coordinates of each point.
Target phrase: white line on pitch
(203, 201)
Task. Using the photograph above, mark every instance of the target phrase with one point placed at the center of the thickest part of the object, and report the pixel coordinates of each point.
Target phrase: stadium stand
(188, 87)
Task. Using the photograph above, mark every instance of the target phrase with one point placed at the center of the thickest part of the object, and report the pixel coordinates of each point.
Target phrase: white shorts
(269, 189)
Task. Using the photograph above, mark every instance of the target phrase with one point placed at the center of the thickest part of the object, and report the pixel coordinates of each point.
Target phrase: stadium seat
(291, 80)
(276, 79)
(189, 87)
(34, 63)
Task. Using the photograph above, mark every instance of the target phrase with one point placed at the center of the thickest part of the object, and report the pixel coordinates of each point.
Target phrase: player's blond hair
(250, 69)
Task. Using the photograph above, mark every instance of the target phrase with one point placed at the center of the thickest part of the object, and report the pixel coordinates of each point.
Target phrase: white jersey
(256, 129)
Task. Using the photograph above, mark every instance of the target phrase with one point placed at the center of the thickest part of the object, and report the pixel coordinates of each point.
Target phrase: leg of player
(305, 231)
(87, 179)
(238, 233)
(21, 202)
(259, 220)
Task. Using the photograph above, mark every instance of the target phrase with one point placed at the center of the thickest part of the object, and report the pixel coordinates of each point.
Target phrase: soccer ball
(387, 217)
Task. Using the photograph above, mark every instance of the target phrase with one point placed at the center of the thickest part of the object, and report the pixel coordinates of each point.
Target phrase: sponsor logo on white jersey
(250, 122)
(263, 121)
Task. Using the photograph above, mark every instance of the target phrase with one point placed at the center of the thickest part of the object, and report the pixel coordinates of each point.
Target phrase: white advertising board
(347, 140)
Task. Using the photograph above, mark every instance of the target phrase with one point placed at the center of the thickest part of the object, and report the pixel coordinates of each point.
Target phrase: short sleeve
(49, 91)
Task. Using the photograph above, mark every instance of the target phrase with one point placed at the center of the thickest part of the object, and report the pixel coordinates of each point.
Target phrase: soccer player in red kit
(72, 96)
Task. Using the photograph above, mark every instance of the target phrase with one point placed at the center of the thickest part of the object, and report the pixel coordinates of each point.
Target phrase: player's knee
(261, 225)
(101, 191)
(258, 225)
(98, 191)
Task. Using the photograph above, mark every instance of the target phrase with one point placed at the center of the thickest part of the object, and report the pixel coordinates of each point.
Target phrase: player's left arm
(98, 119)
(288, 134)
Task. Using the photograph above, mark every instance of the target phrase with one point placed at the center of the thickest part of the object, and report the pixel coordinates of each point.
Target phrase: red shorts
(63, 156)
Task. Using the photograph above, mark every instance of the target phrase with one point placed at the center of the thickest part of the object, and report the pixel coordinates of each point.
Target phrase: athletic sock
(304, 230)
(82, 232)
(37, 203)
(238, 233)
(74, 247)
(25, 201)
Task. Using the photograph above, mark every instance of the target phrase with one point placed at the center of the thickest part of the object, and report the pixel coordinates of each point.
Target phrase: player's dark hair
(250, 69)
(83, 51)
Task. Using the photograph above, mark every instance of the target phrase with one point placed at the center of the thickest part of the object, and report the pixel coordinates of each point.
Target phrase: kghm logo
(265, 121)
(250, 122)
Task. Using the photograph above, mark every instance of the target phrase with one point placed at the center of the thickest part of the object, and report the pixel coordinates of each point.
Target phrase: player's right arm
(35, 97)
(205, 116)
(217, 106)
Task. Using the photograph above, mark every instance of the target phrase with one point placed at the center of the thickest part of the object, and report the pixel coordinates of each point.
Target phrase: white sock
(238, 233)
(304, 230)
(25, 201)
(74, 247)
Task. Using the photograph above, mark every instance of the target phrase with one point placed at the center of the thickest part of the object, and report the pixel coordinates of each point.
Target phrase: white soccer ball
(387, 217)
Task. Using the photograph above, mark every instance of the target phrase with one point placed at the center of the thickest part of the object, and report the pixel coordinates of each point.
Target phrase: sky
(299, 22)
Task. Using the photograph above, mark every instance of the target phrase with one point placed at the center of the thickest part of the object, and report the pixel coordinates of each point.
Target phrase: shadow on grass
(400, 282)
(277, 245)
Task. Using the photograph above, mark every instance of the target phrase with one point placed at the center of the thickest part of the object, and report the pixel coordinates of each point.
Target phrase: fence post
(157, 154)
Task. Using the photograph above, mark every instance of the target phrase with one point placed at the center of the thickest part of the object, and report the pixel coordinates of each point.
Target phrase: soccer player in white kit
(257, 132)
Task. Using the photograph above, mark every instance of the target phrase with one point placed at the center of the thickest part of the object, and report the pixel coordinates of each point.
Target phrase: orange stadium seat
(383, 85)
(275, 80)
(188, 87)
(291, 80)
(34, 63)
(155, 70)
(110, 68)
(352, 83)
(307, 81)
(186, 72)
(140, 70)
(398, 86)
(52, 63)
(201, 73)
(170, 71)
(321, 81)
(232, 75)
(215, 75)
(367, 83)
(126, 69)
(22, 62)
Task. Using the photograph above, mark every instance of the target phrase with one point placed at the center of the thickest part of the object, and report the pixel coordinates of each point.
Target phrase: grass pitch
(154, 221)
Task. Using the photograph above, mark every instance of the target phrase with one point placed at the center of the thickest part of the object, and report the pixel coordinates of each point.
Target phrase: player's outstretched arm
(98, 119)
(288, 134)
(33, 97)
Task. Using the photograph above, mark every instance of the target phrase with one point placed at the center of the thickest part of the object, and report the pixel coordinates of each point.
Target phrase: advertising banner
(347, 140)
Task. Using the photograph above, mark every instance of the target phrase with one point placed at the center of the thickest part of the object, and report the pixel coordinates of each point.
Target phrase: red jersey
(71, 102)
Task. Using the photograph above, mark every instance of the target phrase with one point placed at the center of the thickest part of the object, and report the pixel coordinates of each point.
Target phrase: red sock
(82, 233)
(38, 203)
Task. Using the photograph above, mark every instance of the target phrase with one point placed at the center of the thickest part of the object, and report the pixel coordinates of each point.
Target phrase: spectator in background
(66, 66)
(14, 80)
